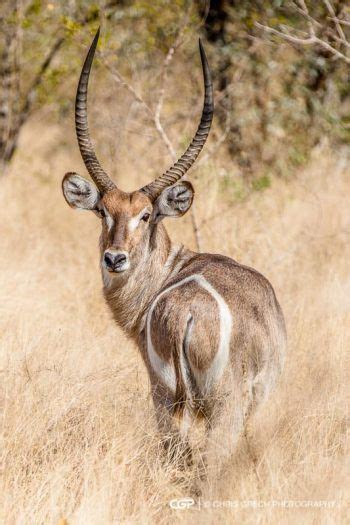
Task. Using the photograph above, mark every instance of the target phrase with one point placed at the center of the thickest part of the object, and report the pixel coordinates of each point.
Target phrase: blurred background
(272, 191)
(267, 93)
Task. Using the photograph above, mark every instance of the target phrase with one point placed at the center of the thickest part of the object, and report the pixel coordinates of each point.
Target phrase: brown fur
(210, 330)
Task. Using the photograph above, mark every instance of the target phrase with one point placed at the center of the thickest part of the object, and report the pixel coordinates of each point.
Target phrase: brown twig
(340, 21)
(337, 25)
(311, 37)
(160, 102)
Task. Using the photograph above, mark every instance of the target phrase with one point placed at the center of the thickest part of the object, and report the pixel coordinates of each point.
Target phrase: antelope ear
(80, 192)
(174, 201)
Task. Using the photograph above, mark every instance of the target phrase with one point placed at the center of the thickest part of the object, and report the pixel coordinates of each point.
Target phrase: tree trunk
(9, 83)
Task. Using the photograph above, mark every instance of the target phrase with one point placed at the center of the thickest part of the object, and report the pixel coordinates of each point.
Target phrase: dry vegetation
(79, 436)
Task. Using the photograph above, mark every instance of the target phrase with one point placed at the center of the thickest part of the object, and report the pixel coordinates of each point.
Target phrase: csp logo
(182, 503)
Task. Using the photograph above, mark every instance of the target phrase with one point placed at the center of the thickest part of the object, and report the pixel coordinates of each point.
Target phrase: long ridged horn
(98, 175)
(178, 170)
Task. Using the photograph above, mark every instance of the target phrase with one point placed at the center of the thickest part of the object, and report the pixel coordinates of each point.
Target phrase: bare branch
(306, 15)
(340, 21)
(310, 21)
(341, 41)
(337, 25)
(331, 49)
(154, 117)
(312, 37)
(293, 39)
(164, 76)
(119, 79)
(160, 102)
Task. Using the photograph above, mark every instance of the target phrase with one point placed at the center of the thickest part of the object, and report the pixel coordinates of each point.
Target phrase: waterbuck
(210, 330)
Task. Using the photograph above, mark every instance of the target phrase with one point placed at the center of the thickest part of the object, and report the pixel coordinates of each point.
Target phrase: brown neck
(130, 296)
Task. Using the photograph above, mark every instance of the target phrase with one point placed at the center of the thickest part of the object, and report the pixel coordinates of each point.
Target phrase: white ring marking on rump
(165, 370)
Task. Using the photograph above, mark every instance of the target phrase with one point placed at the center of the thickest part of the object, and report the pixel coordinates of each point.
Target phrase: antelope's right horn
(98, 175)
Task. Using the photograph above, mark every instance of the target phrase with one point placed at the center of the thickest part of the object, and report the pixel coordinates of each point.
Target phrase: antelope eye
(145, 216)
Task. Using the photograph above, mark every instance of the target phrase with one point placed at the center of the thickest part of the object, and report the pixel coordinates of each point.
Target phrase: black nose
(113, 260)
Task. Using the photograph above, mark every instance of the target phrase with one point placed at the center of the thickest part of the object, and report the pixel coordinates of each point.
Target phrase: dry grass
(79, 434)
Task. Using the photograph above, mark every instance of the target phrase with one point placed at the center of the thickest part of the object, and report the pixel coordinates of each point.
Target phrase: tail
(186, 387)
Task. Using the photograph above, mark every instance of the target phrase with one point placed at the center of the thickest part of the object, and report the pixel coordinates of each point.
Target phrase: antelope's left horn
(181, 166)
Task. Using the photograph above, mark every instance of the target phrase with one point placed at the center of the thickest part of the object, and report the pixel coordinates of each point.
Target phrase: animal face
(127, 218)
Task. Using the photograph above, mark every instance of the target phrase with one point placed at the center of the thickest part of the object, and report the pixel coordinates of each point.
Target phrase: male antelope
(210, 330)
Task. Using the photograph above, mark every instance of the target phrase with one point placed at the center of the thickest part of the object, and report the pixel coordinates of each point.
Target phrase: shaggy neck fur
(154, 262)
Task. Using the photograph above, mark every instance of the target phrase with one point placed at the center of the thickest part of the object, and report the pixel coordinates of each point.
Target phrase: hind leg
(224, 428)
(173, 429)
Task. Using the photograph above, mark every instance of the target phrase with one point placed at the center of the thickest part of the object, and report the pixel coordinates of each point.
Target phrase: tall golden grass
(79, 437)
